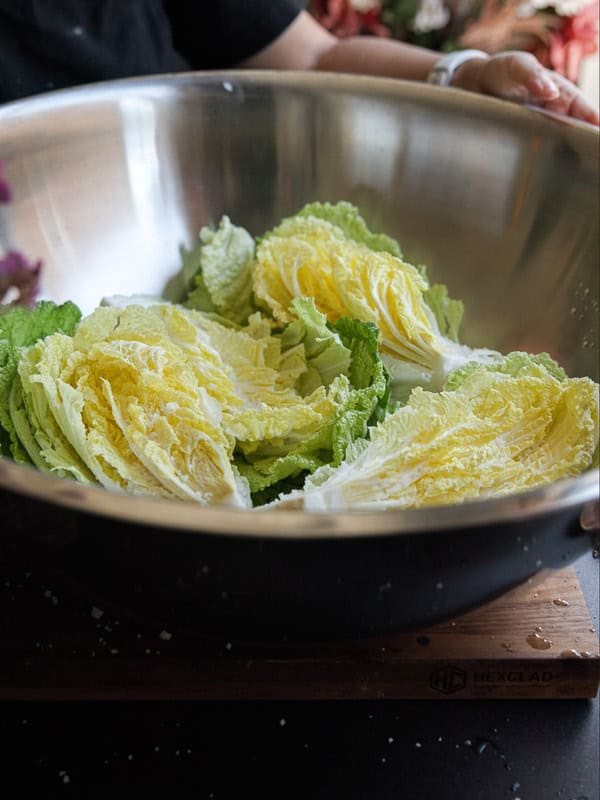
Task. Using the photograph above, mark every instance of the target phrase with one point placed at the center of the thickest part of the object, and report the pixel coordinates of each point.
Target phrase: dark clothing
(51, 44)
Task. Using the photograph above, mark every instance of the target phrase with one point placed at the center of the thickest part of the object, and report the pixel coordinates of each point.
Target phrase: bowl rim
(508, 111)
(569, 493)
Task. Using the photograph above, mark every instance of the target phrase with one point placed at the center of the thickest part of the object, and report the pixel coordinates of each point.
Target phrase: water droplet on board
(558, 601)
(538, 642)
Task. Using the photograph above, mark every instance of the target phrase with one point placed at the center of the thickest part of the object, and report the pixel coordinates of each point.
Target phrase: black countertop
(480, 750)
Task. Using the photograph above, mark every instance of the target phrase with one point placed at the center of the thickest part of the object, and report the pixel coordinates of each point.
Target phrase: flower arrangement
(561, 33)
(19, 278)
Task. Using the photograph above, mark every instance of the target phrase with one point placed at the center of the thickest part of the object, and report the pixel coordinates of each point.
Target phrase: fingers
(572, 103)
(519, 76)
(526, 71)
(582, 110)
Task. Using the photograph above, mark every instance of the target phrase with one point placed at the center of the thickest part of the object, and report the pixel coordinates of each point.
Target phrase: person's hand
(520, 77)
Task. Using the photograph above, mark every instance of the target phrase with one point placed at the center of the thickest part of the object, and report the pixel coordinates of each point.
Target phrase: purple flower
(19, 279)
(5, 192)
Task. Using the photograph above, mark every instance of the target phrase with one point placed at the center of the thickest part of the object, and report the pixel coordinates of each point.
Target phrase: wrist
(457, 69)
(468, 74)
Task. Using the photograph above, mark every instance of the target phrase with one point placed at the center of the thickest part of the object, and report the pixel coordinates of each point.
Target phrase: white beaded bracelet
(444, 69)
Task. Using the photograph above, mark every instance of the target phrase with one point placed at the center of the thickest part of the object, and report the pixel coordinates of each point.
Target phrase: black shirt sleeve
(218, 35)
(52, 44)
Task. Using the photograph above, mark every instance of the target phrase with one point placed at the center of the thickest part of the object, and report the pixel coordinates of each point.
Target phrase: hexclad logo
(448, 679)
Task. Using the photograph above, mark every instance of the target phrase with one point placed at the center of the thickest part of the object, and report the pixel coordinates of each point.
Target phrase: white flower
(528, 8)
(431, 16)
(564, 8)
(364, 5)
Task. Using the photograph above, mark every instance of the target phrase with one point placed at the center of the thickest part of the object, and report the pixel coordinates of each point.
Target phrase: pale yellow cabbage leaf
(309, 256)
(492, 436)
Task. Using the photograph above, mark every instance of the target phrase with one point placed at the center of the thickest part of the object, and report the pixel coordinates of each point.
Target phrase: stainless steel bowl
(499, 201)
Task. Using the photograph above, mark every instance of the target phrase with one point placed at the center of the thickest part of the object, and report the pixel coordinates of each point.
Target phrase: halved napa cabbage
(309, 255)
(494, 434)
(131, 406)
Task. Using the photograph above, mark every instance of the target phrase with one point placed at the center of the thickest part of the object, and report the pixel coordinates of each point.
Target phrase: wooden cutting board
(537, 641)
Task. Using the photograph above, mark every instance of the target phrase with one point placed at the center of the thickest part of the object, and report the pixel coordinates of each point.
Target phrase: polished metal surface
(500, 202)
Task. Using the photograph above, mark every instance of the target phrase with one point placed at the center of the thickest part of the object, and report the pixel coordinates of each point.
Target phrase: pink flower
(576, 38)
(343, 19)
(5, 192)
(19, 278)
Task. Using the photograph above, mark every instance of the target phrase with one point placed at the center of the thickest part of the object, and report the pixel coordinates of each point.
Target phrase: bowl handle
(589, 519)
